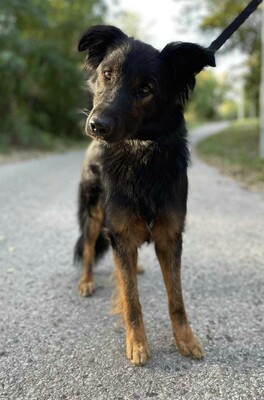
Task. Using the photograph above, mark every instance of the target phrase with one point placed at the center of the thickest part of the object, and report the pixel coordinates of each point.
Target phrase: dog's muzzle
(103, 126)
(100, 126)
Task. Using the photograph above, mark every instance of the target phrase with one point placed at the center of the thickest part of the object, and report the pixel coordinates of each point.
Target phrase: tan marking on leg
(127, 238)
(168, 249)
(136, 340)
(86, 285)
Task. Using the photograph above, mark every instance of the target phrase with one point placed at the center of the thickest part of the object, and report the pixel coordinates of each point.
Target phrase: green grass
(235, 151)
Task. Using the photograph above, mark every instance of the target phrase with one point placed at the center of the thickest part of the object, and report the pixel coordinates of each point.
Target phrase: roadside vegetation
(235, 151)
(42, 79)
(42, 90)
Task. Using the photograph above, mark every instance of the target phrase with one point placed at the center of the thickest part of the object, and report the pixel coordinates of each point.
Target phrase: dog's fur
(134, 181)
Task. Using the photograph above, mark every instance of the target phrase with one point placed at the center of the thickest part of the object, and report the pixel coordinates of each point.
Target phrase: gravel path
(55, 345)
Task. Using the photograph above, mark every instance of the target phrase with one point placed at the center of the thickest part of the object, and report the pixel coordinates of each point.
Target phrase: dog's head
(135, 86)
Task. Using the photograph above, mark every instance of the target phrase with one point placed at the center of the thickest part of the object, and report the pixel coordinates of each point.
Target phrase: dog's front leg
(169, 254)
(125, 258)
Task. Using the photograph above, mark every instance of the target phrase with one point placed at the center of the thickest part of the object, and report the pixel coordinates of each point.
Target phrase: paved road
(56, 345)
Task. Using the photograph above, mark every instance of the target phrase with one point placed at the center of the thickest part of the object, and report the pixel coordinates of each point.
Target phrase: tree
(130, 23)
(41, 79)
(247, 38)
(207, 97)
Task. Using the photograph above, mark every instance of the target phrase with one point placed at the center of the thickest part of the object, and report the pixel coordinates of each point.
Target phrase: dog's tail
(90, 192)
(101, 246)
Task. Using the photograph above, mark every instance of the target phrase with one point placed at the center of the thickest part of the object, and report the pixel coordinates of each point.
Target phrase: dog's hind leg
(168, 245)
(86, 285)
(92, 243)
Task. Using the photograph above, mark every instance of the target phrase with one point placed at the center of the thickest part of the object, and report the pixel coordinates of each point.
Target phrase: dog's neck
(164, 127)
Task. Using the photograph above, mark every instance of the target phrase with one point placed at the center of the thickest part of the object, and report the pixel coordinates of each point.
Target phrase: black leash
(225, 35)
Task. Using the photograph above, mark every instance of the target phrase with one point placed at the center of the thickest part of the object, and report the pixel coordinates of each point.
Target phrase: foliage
(207, 96)
(130, 23)
(41, 78)
(228, 109)
(247, 38)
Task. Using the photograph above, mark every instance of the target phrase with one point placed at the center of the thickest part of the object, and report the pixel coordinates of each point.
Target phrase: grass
(235, 151)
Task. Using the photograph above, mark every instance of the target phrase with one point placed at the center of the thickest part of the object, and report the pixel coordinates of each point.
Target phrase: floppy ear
(182, 62)
(97, 40)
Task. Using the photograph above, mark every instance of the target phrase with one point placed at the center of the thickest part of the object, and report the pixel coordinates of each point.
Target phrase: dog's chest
(140, 177)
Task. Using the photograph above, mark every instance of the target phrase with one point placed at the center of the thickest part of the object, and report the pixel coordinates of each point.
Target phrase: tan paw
(86, 288)
(190, 347)
(137, 352)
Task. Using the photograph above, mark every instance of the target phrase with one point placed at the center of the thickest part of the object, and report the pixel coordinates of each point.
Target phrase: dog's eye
(108, 75)
(145, 90)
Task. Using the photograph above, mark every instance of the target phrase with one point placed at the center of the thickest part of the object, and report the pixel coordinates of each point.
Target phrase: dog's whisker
(84, 111)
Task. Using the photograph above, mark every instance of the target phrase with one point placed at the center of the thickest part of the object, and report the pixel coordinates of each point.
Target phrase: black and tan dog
(134, 180)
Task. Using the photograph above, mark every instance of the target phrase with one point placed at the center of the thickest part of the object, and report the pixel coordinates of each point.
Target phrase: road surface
(55, 345)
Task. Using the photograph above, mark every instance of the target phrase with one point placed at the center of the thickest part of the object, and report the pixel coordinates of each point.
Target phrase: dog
(134, 182)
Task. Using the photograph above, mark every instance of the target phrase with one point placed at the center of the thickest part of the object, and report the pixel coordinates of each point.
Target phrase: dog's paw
(137, 352)
(190, 347)
(86, 288)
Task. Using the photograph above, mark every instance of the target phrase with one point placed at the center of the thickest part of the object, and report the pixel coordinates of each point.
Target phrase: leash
(231, 28)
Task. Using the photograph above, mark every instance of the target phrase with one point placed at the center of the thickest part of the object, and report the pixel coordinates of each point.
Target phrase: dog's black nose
(100, 126)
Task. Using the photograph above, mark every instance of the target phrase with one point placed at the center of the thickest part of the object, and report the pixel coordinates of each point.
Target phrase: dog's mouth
(95, 136)
(112, 133)
(102, 136)
(103, 139)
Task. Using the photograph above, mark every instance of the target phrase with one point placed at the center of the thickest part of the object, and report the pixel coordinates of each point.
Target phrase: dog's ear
(182, 62)
(97, 40)
(187, 57)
